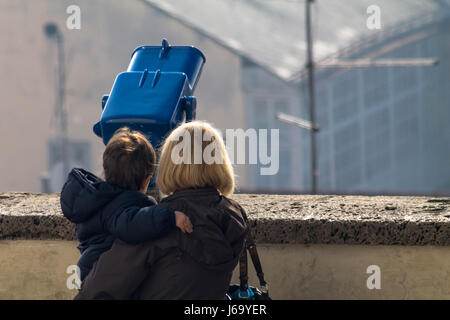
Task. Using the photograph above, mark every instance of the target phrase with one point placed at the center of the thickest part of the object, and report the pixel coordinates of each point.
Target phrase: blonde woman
(197, 178)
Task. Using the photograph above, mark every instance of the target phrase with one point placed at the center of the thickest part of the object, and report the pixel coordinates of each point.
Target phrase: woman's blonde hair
(180, 166)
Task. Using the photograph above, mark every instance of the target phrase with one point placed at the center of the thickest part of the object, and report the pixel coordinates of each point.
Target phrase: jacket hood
(84, 194)
(219, 227)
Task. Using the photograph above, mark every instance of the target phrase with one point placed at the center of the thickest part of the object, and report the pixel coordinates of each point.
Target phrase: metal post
(63, 135)
(52, 31)
(310, 67)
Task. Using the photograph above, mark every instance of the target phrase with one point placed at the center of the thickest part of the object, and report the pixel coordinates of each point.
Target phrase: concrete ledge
(33, 216)
(276, 219)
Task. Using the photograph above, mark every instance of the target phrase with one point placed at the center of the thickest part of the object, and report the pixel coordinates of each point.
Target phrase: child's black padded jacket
(103, 212)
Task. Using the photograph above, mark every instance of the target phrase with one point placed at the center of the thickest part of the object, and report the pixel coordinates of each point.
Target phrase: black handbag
(243, 291)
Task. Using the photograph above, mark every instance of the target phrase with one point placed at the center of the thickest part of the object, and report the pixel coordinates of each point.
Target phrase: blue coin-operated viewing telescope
(155, 94)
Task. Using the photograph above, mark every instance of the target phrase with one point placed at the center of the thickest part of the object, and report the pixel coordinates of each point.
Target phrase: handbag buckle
(248, 296)
(265, 288)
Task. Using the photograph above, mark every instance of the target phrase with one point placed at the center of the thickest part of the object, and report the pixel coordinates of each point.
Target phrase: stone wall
(275, 219)
(311, 247)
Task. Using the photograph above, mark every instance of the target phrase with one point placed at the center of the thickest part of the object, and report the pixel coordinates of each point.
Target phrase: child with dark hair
(117, 207)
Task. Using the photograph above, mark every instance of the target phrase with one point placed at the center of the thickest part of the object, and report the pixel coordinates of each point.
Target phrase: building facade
(382, 129)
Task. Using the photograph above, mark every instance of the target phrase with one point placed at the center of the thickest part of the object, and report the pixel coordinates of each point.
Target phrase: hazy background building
(95, 54)
(383, 130)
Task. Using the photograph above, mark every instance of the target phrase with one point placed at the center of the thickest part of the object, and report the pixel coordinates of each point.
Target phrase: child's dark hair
(128, 159)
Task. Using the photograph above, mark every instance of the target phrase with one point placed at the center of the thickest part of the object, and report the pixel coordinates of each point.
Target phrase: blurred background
(382, 129)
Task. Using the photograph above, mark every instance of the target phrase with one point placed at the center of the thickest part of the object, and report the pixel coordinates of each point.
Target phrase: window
(347, 149)
(376, 144)
(406, 127)
(322, 107)
(345, 97)
(376, 86)
(260, 114)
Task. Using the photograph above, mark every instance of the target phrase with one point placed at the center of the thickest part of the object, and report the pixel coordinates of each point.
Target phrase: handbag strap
(250, 246)
(243, 269)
